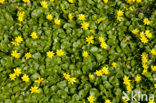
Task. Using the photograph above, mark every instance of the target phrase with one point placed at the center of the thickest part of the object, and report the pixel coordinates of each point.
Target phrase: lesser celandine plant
(77, 51)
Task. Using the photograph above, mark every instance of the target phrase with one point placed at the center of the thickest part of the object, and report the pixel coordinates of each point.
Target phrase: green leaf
(37, 12)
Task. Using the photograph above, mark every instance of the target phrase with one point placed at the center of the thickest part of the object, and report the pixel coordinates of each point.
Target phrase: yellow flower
(49, 17)
(15, 54)
(57, 21)
(114, 64)
(39, 80)
(66, 76)
(99, 20)
(28, 55)
(81, 17)
(99, 72)
(14, 43)
(138, 1)
(146, 21)
(119, 18)
(155, 85)
(105, 70)
(1, 1)
(151, 102)
(92, 31)
(144, 40)
(119, 13)
(91, 99)
(126, 80)
(19, 8)
(101, 39)
(145, 66)
(142, 34)
(19, 39)
(153, 52)
(90, 40)
(71, 1)
(34, 35)
(130, 1)
(12, 76)
(144, 55)
(107, 101)
(50, 54)
(85, 54)
(60, 52)
(25, 78)
(125, 100)
(34, 89)
(147, 31)
(19, 24)
(20, 16)
(52, 0)
(103, 45)
(44, 4)
(135, 31)
(144, 60)
(153, 68)
(144, 71)
(20, 19)
(26, 1)
(105, 1)
(148, 34)
(130, 8)
(70, 16)
(91, 76)
(72, 80)
(85, 25)
(17, 71)
(137, 78)
(129, 87)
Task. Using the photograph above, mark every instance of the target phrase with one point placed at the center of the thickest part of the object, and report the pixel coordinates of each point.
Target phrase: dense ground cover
(77, 51)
